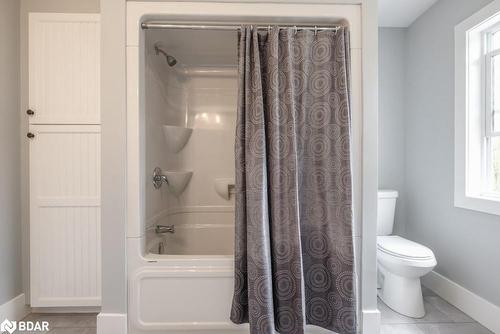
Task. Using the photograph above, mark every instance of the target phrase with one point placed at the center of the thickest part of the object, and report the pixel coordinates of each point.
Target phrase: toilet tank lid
(386, 193)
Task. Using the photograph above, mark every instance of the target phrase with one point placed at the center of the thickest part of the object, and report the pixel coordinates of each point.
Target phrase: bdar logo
(8, 326)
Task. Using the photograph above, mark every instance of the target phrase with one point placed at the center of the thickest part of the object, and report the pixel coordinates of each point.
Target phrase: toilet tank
(386, 209)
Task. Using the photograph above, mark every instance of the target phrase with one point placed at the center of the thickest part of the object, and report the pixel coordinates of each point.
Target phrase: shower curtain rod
(161, 25)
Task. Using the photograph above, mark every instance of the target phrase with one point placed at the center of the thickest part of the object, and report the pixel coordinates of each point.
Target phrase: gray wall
(10, 197)
(392, 63)
(56, 6)
(114, 157)
(466, 243)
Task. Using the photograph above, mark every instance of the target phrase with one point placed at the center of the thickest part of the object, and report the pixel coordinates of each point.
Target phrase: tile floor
(66, 323)
(440, 318)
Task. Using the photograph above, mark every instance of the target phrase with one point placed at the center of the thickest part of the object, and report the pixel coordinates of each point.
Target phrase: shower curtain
(294, 262)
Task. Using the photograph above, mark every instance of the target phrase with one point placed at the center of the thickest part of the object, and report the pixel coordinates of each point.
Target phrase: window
(477, 111)
(492, 111)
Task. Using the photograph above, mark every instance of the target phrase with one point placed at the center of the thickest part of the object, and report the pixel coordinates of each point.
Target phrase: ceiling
(401, 13)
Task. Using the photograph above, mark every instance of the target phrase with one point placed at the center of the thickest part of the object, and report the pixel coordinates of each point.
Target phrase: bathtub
(187, 288)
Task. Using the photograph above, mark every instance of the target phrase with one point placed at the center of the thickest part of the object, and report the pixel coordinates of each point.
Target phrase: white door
(64, 135)
(65, 215)
(64, 73)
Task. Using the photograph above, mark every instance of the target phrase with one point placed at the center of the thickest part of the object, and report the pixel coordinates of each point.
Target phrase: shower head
(171, 61)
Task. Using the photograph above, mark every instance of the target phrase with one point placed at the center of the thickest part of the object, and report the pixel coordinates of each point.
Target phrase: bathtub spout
(161, 248)
(162, 229)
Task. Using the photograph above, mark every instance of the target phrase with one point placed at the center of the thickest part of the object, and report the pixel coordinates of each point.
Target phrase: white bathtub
(182, 291)
(188, 289)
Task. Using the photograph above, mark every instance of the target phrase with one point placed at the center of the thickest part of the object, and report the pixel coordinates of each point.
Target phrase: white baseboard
(478, 308)
(111, 323)
(371, 322)
(15, 309)
(68, 309)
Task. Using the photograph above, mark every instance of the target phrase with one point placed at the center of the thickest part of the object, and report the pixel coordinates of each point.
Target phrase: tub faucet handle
(159, 178)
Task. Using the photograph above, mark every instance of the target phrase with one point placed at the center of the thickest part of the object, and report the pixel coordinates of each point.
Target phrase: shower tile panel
(200, 97)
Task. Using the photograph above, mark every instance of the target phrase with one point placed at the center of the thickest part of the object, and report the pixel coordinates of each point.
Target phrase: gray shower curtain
(294, 262)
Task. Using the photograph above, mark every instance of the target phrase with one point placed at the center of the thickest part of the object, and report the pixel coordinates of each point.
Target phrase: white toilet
(401, 262)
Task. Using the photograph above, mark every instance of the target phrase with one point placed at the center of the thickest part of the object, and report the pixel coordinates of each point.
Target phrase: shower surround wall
(160, 83)
(202, 98)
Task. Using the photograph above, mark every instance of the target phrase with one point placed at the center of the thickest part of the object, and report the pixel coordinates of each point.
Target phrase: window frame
(488, 109)
(473, 111)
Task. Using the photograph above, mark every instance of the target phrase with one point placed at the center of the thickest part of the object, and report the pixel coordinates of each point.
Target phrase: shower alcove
(183, 282)
(190, 114)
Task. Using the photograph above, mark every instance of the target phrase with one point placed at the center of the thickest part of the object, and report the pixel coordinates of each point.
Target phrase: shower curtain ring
(315, 30)
(268, 29)
(295, 27)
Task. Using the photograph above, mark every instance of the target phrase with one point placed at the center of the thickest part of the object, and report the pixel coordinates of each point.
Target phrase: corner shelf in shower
(176, 137)
(177, 181)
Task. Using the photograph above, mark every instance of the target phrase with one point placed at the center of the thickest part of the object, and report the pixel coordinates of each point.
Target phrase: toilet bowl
(401, 263)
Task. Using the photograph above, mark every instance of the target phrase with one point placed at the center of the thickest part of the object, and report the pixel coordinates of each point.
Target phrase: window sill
(486, 204)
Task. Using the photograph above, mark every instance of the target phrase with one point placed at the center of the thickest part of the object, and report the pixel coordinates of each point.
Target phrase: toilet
(401, 262)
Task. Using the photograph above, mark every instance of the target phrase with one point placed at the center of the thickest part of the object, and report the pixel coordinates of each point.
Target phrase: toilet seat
(403, 248)
(401, 263)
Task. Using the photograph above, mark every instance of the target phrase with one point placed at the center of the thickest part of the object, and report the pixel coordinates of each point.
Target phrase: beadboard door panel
(64, 73)
(65, 155)
(65, 215)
